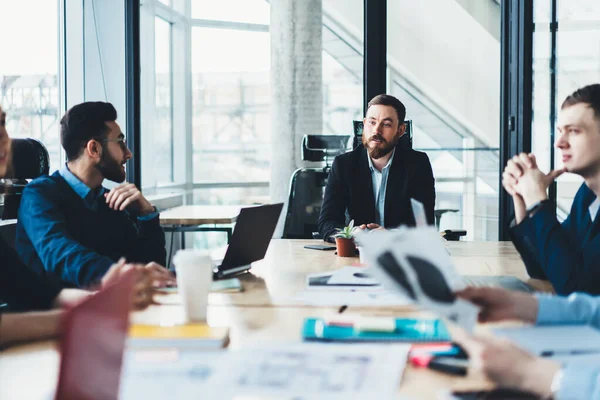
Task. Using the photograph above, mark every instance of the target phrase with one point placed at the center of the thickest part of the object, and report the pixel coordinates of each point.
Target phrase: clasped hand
(523, 180)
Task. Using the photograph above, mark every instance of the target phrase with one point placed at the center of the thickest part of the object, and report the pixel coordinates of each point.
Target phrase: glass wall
(452, 99)
(29, 85)
(577, 61)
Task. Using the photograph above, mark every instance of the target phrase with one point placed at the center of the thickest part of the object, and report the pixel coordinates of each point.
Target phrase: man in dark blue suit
(566, 254)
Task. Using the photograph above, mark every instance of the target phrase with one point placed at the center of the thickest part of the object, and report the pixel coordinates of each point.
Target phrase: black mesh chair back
(307, 187)
(324, 148)
(405, 142)
(30, 160)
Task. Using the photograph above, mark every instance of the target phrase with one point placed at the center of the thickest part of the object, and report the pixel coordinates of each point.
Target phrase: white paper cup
(194, 275)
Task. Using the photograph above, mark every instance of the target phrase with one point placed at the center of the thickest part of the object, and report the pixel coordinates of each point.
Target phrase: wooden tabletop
(256, 316)
(200, 215)
(283, 271)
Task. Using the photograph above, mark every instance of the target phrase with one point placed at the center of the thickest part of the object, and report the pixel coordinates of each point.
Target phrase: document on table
(569, 343)
(318, 371)
(345, 277)
(283, 371)
(363, 297)
(171, 374)
(349, 286)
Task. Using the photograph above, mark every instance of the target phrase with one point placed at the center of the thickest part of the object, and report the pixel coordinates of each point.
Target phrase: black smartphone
(319, 247)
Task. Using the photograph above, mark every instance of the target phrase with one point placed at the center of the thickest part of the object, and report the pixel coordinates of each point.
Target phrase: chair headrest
(30, 159)
(323, 147)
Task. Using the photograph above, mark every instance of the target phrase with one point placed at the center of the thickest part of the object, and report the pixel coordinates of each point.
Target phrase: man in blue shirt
(566, 254)
(373, 184)
(512, 367)
(69, 225)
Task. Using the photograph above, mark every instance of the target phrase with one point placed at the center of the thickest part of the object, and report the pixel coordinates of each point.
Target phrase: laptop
(93, 341)
(503, 281)
(252, 234)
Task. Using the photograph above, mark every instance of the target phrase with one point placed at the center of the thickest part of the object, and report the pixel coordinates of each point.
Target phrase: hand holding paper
(415, 262)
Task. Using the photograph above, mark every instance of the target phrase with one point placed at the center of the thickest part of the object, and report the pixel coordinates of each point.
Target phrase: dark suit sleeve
(22, 288)
(547, 247)
(44, 222)
(425, 187)
(333, 208)
(149, 244)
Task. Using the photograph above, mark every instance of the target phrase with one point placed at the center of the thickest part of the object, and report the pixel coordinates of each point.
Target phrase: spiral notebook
(406, 330)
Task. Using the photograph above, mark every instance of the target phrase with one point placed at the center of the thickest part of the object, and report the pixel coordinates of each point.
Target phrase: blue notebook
(407, 330)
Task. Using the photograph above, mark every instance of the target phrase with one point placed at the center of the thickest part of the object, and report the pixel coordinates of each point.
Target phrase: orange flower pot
(345, 247)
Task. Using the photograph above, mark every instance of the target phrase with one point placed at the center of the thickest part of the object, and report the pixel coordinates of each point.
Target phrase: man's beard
(381, 149)
(110, 168)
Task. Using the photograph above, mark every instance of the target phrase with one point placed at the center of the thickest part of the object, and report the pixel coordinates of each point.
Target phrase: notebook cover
(407, 330)
(180, 336)
(92, 344)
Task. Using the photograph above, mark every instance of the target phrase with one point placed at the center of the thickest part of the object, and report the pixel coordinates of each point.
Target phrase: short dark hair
(82, 123)
(589, 95)
(387, 100)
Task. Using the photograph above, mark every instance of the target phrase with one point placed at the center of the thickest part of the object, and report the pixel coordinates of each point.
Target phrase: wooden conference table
(262, 314)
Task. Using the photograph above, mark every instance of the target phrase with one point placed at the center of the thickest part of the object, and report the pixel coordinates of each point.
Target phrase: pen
(551, 353)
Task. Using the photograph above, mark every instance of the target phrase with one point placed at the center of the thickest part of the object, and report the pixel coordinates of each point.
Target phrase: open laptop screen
(251, 237)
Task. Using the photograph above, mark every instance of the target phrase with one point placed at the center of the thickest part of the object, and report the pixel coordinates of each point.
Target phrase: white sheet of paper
(419, 213)
(348, 276)
(560, 339)
(411, 251)
(360, 297)
(317, 371)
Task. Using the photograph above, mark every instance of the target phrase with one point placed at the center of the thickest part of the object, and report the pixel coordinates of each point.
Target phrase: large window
(207, 95)
(162, 134)
(29, 84)
(163, 98)
(452, 99)
(342, 66)
(577, 63)
(230, 118)
(246, 11)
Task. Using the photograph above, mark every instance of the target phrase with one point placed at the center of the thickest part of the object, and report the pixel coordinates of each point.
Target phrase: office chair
(30, 160)
(307, 185)
(406, 142)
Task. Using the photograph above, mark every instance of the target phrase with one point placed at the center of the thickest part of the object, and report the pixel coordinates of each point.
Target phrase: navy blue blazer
(566, 254)
(350, 190)
(59, 235)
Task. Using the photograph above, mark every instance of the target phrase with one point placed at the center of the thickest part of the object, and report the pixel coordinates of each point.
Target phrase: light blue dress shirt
(379, 181)
(579, 381)
(89, 196)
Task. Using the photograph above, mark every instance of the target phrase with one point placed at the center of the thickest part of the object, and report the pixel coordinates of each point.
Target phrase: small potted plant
(344, 240)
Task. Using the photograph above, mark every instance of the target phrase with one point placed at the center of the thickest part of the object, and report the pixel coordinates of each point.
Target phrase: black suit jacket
(349, 188)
